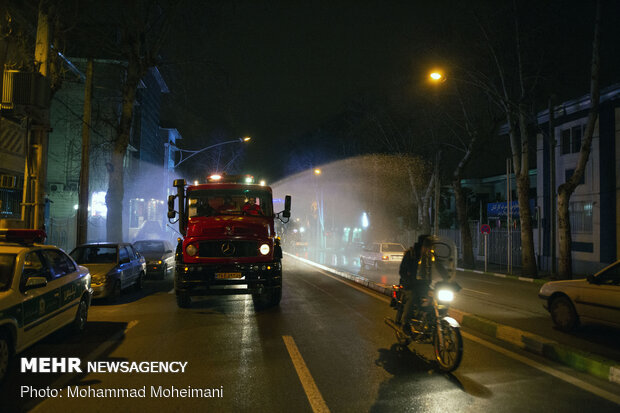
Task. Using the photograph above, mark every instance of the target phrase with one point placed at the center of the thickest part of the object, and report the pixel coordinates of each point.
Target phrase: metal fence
(61, 232)
(497, 244)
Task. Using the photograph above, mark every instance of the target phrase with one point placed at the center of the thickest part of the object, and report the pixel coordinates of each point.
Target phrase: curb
(539, 281)
(579, 360)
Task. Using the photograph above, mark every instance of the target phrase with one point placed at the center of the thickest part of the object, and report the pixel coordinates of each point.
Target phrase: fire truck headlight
(264, 249)
(191, 250)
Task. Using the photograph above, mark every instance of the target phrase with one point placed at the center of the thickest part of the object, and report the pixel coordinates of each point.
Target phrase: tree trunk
(461, 213)
(565, 265)
(565, 270)
(528, 257)
(116, 190)
(423, 213)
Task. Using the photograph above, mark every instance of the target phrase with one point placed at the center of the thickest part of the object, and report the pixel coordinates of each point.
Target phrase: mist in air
(341, 205)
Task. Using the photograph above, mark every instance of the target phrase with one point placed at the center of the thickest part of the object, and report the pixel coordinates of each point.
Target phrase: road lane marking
(358, 288)
(475, 291)
(487, 282)
(546, 369)
(312, 391)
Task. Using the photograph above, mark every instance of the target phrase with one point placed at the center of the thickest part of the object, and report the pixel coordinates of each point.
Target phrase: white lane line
(93, 355)
(615, 398)
(475, 291)
(358, 288)
(312, 391)
(487, 282)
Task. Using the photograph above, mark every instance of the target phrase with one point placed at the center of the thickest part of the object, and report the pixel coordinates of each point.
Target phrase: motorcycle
(432, 325)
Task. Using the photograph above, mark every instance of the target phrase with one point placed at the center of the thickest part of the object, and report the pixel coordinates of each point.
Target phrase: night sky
(279, 70)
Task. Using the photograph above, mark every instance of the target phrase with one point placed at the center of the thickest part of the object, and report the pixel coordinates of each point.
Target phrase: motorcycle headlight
(264, 249)
(445, 295)
(191, 250)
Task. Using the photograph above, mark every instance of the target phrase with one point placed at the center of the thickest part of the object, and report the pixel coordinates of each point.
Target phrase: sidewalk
(501, 270)
(559, 348)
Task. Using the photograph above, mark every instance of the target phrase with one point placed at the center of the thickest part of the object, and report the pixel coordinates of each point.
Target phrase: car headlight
(191, 250)
(264, 249)
(159, 262)
(445, 295)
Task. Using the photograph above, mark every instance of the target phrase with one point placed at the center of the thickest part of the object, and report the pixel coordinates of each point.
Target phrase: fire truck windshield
(205, 203)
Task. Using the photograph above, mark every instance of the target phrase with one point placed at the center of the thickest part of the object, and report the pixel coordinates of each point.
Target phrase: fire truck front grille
(225, 249)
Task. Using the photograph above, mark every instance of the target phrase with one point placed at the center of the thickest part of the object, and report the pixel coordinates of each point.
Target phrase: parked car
(594, 299)
(381, 253)
(159, 256)
(113, 267)
(41, 290)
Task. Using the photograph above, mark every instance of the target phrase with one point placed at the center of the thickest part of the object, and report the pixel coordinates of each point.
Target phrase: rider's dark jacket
(409, 267)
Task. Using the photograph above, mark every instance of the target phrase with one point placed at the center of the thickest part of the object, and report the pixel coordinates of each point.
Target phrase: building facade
(594, 206)
(146, 148)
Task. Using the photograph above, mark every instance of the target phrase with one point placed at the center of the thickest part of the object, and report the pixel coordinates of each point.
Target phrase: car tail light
(385, 258)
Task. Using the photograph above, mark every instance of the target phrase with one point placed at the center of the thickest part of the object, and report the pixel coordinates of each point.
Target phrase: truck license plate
(221, 275)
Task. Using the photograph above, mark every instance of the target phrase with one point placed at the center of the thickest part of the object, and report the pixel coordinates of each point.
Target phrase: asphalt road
(504, 300)
(326, 348)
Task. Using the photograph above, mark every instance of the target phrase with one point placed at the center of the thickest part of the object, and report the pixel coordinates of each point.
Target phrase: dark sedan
(159, 257)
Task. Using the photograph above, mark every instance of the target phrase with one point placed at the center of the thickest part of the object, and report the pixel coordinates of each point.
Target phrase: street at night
(326, 206)
(348, 357)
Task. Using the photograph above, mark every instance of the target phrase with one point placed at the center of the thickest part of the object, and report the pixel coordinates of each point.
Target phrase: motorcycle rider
(413, 279)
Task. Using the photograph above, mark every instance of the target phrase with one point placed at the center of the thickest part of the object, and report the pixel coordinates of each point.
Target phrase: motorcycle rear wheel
(449, 357)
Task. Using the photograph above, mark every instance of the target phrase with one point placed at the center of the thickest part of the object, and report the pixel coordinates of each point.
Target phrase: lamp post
(192, 153)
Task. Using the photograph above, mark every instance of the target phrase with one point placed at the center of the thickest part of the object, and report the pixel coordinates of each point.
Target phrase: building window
(569, 172)
(571, 139)
(580, 216)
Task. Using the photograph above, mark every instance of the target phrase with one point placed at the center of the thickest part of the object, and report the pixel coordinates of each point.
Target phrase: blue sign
(499, 209)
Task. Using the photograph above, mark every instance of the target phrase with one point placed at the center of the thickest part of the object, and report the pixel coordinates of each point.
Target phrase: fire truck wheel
(184, 300)
(270, 298)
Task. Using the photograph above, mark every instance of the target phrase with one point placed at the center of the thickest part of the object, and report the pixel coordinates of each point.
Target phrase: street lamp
(241, 140)
(437, 76)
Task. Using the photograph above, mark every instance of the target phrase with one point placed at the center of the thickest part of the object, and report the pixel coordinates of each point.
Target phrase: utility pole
(552, 190)
(34, 180)
(82, 215)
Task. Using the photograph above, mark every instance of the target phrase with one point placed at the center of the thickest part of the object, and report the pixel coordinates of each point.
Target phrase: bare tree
(143, 26)
(513, 91)
(566, 189)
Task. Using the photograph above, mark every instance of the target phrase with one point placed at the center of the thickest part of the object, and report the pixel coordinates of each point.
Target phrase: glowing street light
(317, 171)
(437, 76)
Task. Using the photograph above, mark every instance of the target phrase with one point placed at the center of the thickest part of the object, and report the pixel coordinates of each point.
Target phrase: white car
(595, 299)
(381, 253)
(41, 290)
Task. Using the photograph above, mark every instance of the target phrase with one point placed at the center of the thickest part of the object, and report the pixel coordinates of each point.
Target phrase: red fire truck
(229, 244)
